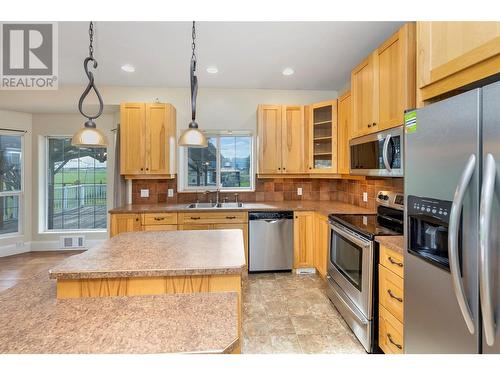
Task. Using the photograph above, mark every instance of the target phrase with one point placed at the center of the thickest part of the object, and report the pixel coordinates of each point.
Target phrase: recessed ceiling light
(212, 70)
(288, 71)
(128, 68)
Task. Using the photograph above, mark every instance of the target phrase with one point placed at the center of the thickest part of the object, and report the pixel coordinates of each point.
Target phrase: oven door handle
(341, 232)
(385, 153)
(454, 223)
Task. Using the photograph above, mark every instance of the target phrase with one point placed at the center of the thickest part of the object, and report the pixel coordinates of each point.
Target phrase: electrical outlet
(19, 244)
(365, 197)
(170, 193)
(144, 193)
(299, 191)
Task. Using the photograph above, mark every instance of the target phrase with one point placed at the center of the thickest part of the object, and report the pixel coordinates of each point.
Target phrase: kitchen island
(32, 321)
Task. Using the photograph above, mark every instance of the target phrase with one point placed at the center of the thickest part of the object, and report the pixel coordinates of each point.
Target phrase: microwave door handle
(454, 223)
(385, 153)
(486, 294)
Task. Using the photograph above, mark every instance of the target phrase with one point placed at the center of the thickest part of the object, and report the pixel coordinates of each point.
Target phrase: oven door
(350, 265)
(378, 154)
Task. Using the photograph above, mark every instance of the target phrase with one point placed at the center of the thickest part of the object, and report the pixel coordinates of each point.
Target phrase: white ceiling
(247, 54)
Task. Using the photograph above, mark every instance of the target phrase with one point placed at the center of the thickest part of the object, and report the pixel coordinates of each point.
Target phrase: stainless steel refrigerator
(452, 225)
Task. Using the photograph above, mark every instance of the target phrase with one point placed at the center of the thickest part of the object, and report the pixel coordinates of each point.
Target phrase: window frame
(183, 185)
(45, 228)
(18, 193)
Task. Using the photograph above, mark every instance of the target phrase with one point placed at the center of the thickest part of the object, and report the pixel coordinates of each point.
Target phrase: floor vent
(305, 271)
(72, 242)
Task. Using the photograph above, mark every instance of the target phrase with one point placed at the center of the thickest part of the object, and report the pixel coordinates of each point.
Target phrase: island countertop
(32, 320)
(157, 254)
(322, 207)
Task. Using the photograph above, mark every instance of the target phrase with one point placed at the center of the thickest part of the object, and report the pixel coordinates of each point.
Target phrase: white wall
(61, 125)
(20, 243)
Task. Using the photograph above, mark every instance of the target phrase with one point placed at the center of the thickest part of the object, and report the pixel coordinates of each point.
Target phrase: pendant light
(89, 135)
(193, 137)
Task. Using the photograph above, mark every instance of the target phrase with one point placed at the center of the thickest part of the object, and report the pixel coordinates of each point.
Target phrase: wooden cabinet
(121, 223)
(454, 54)
(303, 232)
(322, 138)
(147, 140)
(321, 239)
(280, 139)
(383, 85)
(344, 130)
(159, 221)
(269, 138)
(391, 301)
(364, 97)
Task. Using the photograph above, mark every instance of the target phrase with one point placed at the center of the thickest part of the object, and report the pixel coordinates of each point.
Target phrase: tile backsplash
(273, 190)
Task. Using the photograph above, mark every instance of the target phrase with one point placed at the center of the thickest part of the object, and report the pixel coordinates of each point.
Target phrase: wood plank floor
(22, 266)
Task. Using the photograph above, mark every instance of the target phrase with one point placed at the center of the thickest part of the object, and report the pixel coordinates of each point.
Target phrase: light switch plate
(170, 193)
(299, 191)
(365, 197)
(144, 193)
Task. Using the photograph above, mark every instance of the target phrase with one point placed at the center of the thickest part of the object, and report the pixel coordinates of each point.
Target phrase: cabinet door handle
(159, 218)
(230, 217)
(137, 219)
(369, 125)
(142, 169)
(399, 264)
(279, 169)
(147, 169)
(399, 346)
(374, 124)
(195, 218)
(393, 296)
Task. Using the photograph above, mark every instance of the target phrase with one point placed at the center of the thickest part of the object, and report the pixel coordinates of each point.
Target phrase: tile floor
(282, 312)
(289, 313)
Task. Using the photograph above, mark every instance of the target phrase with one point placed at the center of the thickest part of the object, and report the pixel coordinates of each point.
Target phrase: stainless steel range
(352, 262)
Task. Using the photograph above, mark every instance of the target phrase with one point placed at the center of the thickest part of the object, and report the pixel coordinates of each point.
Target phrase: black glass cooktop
(388, 222)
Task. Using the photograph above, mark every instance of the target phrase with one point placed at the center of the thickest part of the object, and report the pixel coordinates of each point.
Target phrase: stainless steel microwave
(378, 154)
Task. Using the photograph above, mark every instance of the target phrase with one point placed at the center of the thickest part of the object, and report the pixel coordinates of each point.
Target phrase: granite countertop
(151, 254)
(32, 320)
(395, 243)
(323, 207)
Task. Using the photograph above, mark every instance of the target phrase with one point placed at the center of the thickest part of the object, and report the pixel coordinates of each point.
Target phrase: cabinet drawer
(213, 217)
(161, 227)
(162, 218)
(392, 260)
(391, 292)
(390, 333)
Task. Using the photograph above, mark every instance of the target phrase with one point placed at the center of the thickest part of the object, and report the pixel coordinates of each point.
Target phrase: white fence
(76, 196)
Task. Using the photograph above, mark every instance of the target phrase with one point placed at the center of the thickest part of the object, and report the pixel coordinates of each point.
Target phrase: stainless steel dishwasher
(270, 241)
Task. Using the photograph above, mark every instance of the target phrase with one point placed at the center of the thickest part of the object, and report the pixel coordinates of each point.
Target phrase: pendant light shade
(192, 136)
(89, 135)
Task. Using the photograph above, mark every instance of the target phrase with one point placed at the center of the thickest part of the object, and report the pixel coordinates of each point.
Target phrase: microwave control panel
(436, 208)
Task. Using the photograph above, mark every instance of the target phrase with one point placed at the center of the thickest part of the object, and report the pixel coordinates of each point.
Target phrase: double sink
(215, 206)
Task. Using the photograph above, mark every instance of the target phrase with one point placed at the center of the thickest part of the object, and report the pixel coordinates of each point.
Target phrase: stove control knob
(380, 196)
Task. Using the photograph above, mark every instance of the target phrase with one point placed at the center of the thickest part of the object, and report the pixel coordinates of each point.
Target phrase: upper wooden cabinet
(344, 130)
(147, 140)
(383, 85)
(280, 139)
(454, 54)
(322, 137)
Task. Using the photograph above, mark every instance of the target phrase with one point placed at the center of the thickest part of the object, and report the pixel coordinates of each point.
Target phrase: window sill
(78, 231)
(214, 191)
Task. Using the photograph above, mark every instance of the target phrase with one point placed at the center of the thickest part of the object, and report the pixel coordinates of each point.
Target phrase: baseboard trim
(34, 246)
(14, 249)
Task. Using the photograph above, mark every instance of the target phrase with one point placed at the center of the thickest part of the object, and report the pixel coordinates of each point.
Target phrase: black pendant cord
(194, 80)
(91, 85)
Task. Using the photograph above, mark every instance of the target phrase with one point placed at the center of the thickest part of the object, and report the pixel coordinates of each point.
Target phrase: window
(76, 186)
(11, 183)
(226, 164)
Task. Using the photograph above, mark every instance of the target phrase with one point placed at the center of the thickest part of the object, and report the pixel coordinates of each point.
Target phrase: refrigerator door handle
(384, 153)
(453, 230)
(487, 192)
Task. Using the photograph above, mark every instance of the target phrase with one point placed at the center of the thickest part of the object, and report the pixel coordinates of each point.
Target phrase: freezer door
(446, 136)
(490, 220)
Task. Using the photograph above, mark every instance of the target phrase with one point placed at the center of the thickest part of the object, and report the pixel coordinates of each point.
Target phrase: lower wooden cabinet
(121, 223)
(303, 244)
(391, 301)
(390, 333)
(321, 243)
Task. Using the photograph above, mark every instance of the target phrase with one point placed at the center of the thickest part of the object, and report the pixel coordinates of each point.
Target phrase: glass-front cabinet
(322, 137)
